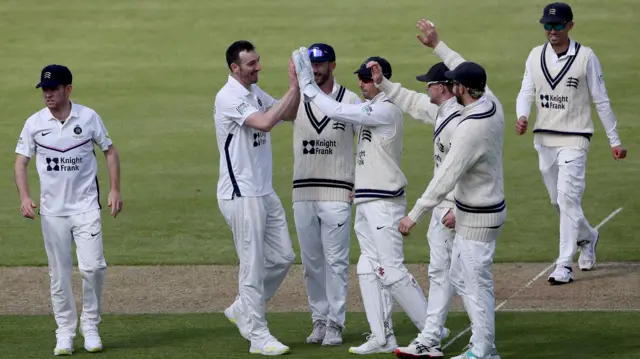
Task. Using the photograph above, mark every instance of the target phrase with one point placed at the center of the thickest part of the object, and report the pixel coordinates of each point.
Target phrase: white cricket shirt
(65, 159)
(245, 153)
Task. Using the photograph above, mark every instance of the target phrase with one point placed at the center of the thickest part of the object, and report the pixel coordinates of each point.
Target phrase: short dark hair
(234, 50)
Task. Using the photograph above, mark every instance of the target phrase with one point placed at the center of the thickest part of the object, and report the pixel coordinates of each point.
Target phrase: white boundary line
(544, 271)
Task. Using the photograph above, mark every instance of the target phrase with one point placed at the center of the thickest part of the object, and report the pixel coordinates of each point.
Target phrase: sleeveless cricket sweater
(563, 109)
(378, 160)
(323, 153)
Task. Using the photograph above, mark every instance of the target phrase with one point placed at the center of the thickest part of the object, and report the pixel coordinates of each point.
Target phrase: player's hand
(405, 226)
(429, 35)
(376, 72)
(27, 208)
(521, 125)
(303, 67)
(293, 78)
(115, 203)
(619, 152)
(449, 220)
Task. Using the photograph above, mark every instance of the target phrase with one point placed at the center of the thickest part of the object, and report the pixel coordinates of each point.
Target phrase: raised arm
(452, 59)
(358, 114)
(417, 105)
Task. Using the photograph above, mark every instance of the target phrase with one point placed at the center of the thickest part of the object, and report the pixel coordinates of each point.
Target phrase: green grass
(519, 335)
(152, 68)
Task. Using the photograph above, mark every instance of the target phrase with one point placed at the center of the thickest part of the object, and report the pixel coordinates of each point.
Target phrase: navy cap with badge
(55, 75)
(365, 74)
(556, 13)
(436, 74)
(321, 53)
(470, 75)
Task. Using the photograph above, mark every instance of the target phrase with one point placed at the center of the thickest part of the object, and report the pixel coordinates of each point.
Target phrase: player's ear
(332, 65)
(234, 67)
(569, 25)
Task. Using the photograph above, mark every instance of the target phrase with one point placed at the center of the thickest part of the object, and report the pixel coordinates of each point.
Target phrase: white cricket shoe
(561, 275)
(92, 341)
(587, 259)
(237, 317)
(318, 333)
(418, 350)
(333, 335)
(64, 346)
(268, 346)
(469, 354)
(371, 346)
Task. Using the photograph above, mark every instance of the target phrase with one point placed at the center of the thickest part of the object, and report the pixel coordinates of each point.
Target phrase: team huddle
(465, 196)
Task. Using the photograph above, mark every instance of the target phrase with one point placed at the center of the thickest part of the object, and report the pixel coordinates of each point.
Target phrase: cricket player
(61, 137)
(473, 167)
(380, 200)
(244, 115)
(441, 109)
(563, 76)
(323, 175)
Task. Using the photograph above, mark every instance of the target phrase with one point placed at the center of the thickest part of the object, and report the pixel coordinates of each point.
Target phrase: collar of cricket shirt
(72, 114)
(448, 107)
(379, 97)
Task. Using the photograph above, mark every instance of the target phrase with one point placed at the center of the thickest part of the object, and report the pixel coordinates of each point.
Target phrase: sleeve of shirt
(417, 105)
(452, 59)
(598, 90)
(237, 109)
(100, 134)
(462, 155)
(367, 114)
(356, 101)
(26, 145)
(527, 91)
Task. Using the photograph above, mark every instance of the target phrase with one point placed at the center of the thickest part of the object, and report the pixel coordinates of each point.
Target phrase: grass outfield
(152, 68)
(595, 335)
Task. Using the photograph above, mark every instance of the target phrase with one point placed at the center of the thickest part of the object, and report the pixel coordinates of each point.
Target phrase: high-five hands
(304, 70)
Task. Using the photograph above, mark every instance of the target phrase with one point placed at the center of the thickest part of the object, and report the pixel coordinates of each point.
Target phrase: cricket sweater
(473, 166)
(323, 152)
(563, 109)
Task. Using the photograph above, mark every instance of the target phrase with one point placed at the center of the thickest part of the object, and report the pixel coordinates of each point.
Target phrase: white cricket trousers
(563, 171)
(324, 235)
(441, 291)
(381, 271)
(85, 230)
(261, 236)
(471, 277)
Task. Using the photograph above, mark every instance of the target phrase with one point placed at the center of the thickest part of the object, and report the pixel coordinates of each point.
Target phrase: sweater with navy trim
(473, 166)
(324, 157)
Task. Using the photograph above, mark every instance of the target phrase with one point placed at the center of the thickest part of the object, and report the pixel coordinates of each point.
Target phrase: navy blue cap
(321, 53)
(470, 75)
(437, 73)
(55, 75)
(365, 73)
(557, 12)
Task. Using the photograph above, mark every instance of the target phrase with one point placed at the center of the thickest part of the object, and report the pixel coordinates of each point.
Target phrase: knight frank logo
(318, 147)
(63, 164)
(573, 82)
(259, 138)
(555, 102)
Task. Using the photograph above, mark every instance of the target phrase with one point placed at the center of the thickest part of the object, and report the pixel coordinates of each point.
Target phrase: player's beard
(320, 78)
